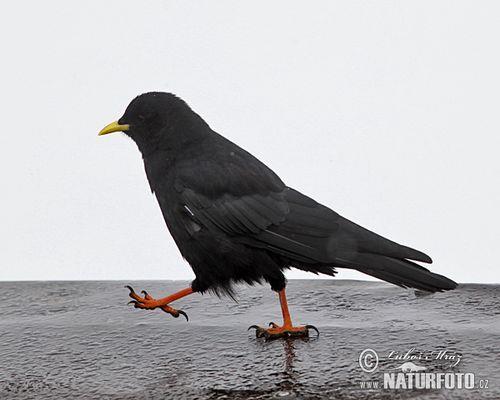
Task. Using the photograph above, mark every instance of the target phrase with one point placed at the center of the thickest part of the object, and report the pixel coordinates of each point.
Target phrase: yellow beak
(113, 127)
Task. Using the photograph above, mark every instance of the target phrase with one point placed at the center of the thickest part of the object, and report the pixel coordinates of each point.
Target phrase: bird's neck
(176, 142)
(157, 166)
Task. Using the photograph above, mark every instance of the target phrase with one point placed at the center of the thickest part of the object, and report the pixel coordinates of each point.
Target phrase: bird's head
(152, 119)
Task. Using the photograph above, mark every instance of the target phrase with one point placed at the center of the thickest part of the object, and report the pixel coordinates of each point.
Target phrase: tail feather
(370, 242)
(403, 273)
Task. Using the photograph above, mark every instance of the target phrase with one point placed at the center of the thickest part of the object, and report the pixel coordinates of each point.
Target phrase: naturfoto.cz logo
(408, 374)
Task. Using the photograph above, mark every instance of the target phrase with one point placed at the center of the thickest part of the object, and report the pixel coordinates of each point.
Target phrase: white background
(386, 111)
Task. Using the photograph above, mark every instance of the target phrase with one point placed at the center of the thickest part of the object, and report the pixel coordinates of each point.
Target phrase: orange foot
(276, 331)
(149, 303)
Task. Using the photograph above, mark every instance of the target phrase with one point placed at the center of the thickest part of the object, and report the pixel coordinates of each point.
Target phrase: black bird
(234, 220)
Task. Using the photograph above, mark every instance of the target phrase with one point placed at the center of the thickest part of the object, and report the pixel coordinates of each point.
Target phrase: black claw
(144, 293)
(272, 325)
(131, 289)
(313, 328)
(259, 332)
(134, 302)
(183, 313)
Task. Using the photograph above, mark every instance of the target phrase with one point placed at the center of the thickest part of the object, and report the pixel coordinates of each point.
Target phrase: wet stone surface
(80, 340)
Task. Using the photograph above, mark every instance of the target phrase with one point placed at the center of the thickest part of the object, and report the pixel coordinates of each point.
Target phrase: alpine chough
(234, 220)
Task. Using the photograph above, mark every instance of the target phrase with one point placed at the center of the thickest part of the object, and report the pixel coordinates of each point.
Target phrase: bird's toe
(275, 331)
(150, 303)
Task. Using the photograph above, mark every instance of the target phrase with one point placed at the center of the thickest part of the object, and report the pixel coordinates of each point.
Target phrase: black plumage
(233, 218)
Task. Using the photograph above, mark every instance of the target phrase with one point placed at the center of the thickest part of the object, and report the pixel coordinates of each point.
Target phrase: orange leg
(149, 303)
(287, 320)
(287, 329)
